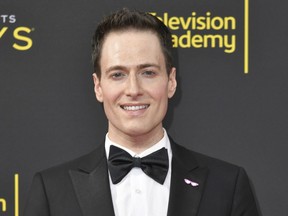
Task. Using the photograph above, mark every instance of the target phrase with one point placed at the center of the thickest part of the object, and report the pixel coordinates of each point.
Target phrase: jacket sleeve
(244, 203)
(37, 202)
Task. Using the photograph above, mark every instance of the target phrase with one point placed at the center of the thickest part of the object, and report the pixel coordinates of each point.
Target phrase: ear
(97, 88)
(172, 83)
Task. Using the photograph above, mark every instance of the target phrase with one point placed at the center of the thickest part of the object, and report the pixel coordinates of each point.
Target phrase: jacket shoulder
(84, 163)
(200, 159)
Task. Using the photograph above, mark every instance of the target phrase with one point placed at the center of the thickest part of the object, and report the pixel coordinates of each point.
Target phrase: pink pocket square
(194, 184)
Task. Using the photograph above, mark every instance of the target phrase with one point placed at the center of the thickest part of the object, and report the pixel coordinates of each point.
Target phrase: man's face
(134, 85)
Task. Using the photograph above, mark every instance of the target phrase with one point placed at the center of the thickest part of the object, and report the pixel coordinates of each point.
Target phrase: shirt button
(138, 191)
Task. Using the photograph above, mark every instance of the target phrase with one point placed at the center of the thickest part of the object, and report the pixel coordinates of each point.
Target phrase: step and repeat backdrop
(231, 101)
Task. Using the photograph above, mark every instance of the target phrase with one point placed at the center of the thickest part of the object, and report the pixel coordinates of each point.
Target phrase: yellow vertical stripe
(246, 37)
(16, 194)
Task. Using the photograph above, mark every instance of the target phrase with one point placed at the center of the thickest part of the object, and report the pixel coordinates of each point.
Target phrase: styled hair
(126, 19)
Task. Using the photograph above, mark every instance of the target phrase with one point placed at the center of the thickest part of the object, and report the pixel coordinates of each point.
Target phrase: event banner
(231, 101)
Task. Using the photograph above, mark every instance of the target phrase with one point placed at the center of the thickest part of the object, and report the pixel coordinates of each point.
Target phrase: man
(138, 170)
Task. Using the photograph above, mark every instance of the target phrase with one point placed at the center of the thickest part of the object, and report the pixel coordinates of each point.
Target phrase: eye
(117, 75)
(148, 73)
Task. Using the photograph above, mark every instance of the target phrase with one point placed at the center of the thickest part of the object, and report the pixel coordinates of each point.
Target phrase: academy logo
(219, 31)
(208, 30)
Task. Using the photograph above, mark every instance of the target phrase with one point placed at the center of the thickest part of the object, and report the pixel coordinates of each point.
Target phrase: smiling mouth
(134, 108)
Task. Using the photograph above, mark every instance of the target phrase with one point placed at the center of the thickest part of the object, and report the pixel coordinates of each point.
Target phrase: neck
(137, 142)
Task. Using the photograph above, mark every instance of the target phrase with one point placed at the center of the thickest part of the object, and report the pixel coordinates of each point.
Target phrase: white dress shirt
(138, 194)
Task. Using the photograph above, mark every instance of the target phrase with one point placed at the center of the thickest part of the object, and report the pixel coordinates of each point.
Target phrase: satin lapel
(185, 197)
(91, 184)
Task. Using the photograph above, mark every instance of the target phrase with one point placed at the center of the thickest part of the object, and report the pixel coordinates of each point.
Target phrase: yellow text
(3, 204)
(21, 35)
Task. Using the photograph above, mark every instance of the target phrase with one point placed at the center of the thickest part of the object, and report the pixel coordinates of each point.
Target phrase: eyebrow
(141, 66)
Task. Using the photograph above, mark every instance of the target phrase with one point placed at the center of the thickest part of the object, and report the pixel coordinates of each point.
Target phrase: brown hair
(126, 19)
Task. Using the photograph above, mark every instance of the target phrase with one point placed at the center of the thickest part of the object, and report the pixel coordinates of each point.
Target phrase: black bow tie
(154, 165)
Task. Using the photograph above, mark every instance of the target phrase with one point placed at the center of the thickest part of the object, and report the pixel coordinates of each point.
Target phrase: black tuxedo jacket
(81, 188)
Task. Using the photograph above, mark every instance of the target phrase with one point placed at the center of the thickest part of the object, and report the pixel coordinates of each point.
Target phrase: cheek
(111, 95)
(109, 103)
(160, 92)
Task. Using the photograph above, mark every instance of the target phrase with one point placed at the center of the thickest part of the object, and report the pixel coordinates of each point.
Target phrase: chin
(138, 130)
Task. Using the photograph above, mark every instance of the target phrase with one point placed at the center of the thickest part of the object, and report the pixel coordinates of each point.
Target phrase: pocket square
(194, 184)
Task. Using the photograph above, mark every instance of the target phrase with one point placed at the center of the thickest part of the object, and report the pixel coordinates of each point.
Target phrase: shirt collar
(164, 142)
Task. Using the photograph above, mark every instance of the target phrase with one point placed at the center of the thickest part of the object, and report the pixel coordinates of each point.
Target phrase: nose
(133, 88)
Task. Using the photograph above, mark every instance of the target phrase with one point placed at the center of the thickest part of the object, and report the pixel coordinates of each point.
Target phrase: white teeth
(134, 108)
